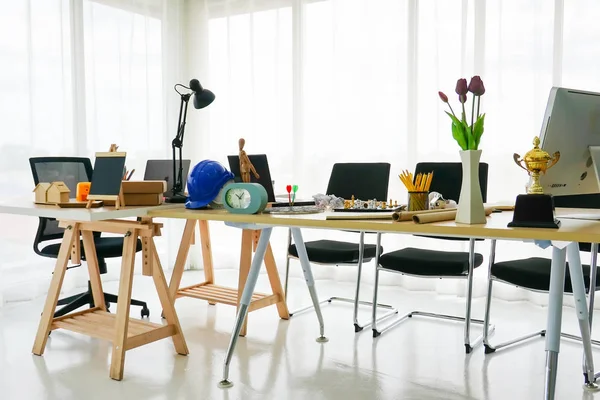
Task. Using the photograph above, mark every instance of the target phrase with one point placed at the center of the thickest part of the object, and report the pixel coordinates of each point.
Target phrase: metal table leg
(555, 302)
(578, 285)
(310, 281)
(257, 261)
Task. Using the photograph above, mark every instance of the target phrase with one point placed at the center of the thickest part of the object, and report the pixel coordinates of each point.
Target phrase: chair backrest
(447, 178)
(366, 181)
(71, 171)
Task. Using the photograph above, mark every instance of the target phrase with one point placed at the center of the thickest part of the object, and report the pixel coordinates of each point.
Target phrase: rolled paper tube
(400, 216)
(447, 215)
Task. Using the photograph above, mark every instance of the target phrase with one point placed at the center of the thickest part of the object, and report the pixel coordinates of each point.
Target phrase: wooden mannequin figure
(245, 165)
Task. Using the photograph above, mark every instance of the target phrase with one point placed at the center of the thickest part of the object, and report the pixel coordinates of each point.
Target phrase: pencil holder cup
(418, 201)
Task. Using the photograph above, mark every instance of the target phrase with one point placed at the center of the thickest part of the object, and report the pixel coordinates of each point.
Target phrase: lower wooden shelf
(101, 324)
(226, 295)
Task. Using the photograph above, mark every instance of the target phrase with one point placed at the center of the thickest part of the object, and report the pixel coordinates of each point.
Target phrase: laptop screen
(262, 168)
(162, 170)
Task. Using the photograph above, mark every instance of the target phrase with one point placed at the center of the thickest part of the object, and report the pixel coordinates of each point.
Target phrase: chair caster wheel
(145, 312)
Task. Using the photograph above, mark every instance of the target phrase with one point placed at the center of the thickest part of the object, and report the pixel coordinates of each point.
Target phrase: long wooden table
(564, 241)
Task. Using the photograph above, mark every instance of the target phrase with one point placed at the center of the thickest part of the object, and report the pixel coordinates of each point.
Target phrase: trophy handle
(555, 158)
(518, 161)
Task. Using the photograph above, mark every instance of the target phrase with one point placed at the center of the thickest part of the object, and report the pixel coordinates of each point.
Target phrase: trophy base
(534, 211)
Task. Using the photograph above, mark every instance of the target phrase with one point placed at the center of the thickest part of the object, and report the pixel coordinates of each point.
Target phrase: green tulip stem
(464, 114)
(473, 113)
(451, 110)
(478, 102)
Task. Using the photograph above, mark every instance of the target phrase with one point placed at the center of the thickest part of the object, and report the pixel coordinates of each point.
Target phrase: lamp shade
(203, 98)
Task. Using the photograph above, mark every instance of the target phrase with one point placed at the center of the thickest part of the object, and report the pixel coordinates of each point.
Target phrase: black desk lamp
(202, 98)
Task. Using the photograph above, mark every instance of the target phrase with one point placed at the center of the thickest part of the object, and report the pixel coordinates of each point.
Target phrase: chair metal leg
(468, 347)
(375, 289)
(467, 319)
(287, 265)
(355, 301)
(361, 250)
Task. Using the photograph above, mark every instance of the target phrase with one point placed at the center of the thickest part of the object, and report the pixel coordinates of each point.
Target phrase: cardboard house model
(41, 191)
(58, 192)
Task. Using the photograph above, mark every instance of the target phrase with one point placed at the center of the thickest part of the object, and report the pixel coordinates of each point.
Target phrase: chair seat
(426, 262)
(106, 247)
(334, 252)
(534, 273)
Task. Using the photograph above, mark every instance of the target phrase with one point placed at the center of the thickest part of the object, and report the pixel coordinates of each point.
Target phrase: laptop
(261, 164)
(162, 170)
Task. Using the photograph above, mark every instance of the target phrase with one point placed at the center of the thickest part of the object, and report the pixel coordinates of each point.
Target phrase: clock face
(238, 198)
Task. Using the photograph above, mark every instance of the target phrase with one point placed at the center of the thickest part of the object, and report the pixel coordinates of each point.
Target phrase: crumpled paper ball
(324, 201)
(437, 202)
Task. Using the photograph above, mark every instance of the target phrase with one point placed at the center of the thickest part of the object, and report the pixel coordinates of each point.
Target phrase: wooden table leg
(91, 259)
(206, 252)
(168, 303)
(245, 262)
(54, 291)
(275, 282)
(122, 318)
(182, 255)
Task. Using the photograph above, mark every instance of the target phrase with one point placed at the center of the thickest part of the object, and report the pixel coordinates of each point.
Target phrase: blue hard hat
(204, 183)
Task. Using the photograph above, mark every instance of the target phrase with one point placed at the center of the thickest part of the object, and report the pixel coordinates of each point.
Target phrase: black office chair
(533, 273)
(364, 181)
(72, 170)
(447, 180)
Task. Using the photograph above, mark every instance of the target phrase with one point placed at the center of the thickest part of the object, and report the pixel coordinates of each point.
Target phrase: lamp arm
(178, 143)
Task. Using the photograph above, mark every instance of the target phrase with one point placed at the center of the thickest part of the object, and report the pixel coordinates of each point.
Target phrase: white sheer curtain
(312, 83)
(78, 75)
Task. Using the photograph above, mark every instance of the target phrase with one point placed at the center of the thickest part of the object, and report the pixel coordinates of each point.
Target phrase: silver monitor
(572, 126)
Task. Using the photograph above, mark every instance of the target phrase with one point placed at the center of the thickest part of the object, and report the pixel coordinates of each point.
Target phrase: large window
(76, 77)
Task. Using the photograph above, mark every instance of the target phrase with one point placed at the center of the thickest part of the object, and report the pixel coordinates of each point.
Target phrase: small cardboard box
(143, 199)
(144, 187)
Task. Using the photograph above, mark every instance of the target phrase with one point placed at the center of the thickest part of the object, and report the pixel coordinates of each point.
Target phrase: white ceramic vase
(470, 204)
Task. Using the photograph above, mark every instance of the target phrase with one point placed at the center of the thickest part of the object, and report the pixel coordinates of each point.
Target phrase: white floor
(420, 359)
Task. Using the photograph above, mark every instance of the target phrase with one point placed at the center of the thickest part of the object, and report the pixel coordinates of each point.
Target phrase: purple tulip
(476, 86)
(461, 87)
(462, 98)
(443, 97)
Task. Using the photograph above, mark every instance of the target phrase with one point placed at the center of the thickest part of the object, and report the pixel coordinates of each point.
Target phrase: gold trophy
(536, 161)
(535, 209)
